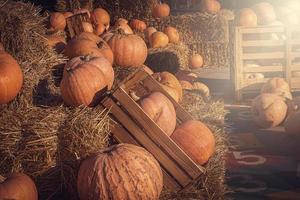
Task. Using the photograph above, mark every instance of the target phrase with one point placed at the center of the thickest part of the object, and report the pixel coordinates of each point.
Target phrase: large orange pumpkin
(100, 16)
(137, 24)
(11, 78)
(277, 86)
(129, 50)
(196, 61)
(161, 10)
(18, 186)
(292, 124)
(58, 21)
(122, 171)
(170, 83)
(265, 13)
(211, 6)
(85, 79)
(172, 34)
(159, 40)
(269, 110)
(247, 17)
(196, 140)
(161, 110)
(88, 44)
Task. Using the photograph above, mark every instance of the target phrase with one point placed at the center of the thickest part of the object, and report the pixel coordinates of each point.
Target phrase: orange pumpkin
(247, 17)
(99, 29)
(196, 61)
(161, 10)
(269, 110)
(18, 186)
(138, 25)
(196, 140)
(58, 21)
(148, 32)
(169, 83)
(265, 13)
(186, 85)
(11, 78)
(161, 110)
(57, 42)
(159, 40)
(277, 86)
(100, 16)
(129, 50)
(88, 44)
(123, 25)
(172, 34)
(292, 124)
(122, 171)
(87, 27)
(211, 6)
(85, 79)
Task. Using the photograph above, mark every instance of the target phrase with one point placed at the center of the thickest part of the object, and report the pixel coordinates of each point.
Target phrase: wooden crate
(262, 50)
(74, 23)
(137, 128)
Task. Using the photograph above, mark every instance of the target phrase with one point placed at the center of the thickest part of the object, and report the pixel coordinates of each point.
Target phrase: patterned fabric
(262, 164)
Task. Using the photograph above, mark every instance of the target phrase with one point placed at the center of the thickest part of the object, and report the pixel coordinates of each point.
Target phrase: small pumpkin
(85, 79)
(148, 32)
(202, 88)
(57, 42)
(18, 186)
(186, 85)
(169, 83)
(87, 27)
(100, 16)
(196, 140)
(292, 124)
(123, 25)
(99, 29)
(211, 6)
(129, 50)
(57, 21)
(172, 34)
(196, 61)
(159, 40)
(277, 86)
(265, 13)
(269, 110)
(11, 78)
(161, 10)
(161, 110)
(247, 17)
(67, 14)
(138, 25)
(122, 171)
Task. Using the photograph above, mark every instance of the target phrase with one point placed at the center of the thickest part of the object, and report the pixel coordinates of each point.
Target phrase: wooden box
(261, 53)
(135, 127)
(74, 23)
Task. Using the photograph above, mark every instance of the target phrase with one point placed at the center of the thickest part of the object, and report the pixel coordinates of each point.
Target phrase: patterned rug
(263, 163)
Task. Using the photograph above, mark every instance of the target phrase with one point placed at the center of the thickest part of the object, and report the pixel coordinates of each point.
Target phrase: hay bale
(170, 58)
(211, 185)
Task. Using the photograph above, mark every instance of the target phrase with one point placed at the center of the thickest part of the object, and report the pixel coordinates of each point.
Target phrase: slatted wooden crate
(74, 23)
(262, 50)
(137, 128)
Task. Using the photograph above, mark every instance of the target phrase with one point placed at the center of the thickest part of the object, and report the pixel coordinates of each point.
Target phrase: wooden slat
(273, 55)
(273, 29)
(295, 83)
(262, 43)
(295, 67)
(263, 69)
(150, 145)
(123, 136)
(153, 85)
(133, 79)
(157, 135)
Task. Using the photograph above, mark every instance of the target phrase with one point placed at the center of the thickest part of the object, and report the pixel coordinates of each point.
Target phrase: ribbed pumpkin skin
(161, 110)
(277, 86)
(84, 79)
(58, 21)
(122, 172)
(196, 140)
(269, 110)
(128, 50)
(137, 24)
(11, 78)
(18, 186)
